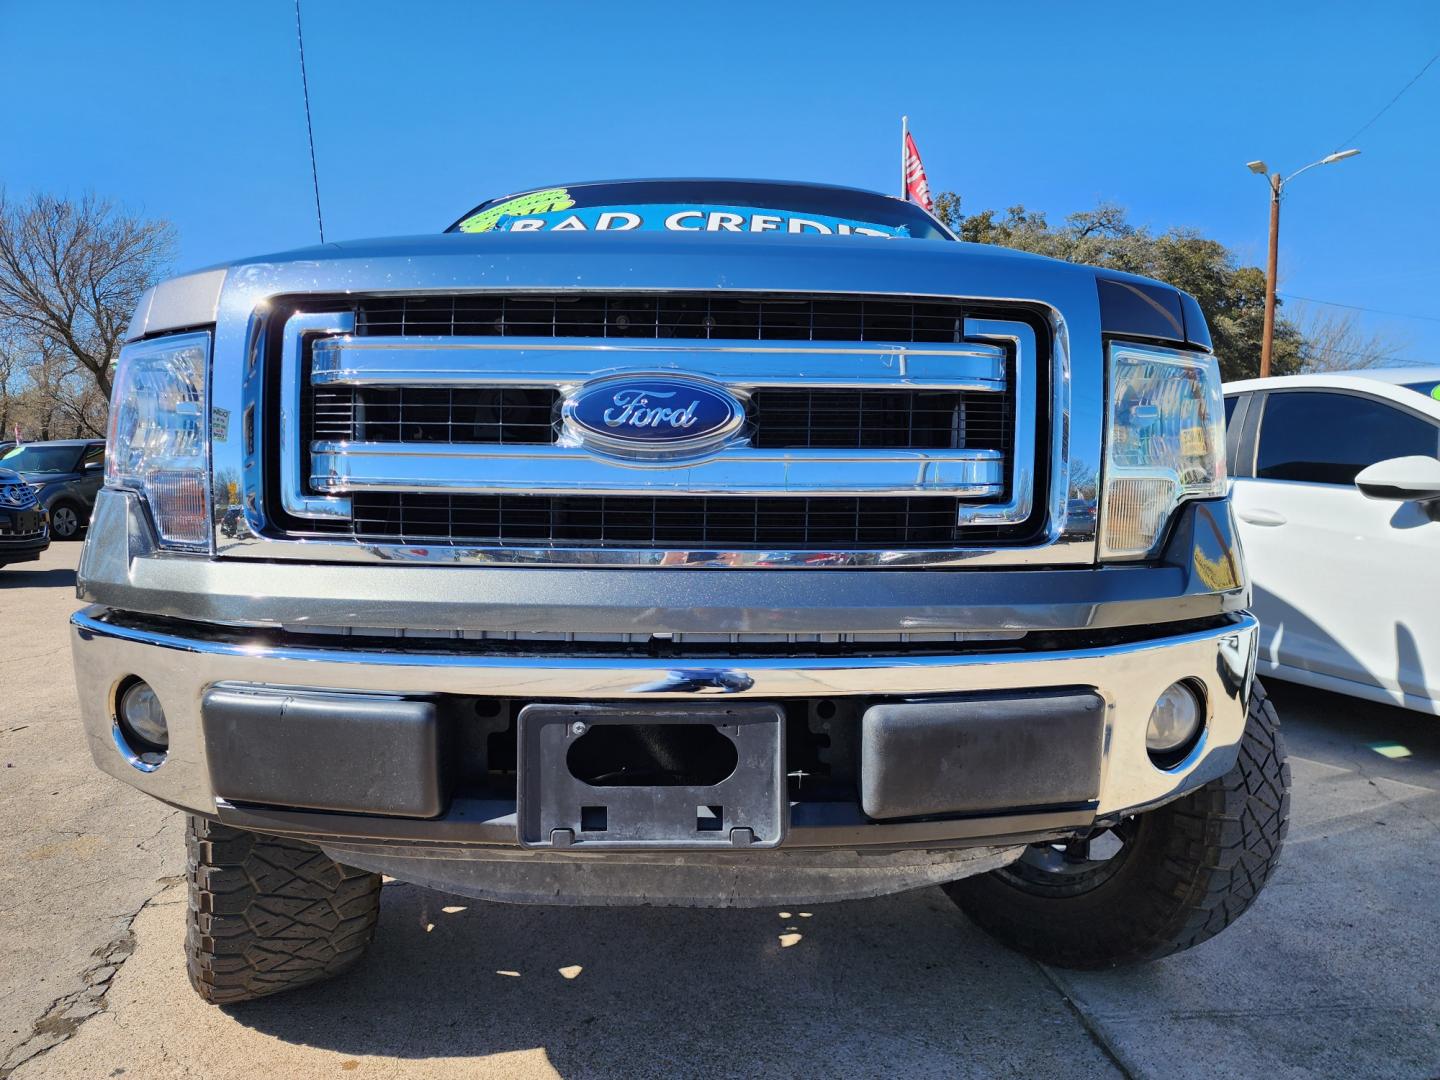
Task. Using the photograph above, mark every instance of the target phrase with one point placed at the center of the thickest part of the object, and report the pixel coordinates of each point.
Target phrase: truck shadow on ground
(901, 983)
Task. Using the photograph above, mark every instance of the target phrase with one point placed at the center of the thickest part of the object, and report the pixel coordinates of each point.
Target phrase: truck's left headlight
(158, 442)
(1164, 443)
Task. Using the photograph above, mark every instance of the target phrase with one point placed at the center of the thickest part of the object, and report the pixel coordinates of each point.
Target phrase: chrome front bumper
(181, 665)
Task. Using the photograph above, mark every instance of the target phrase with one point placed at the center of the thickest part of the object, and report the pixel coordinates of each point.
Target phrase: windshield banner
(555, 211)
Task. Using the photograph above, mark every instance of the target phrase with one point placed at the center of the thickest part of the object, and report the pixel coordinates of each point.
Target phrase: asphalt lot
(1335, 971)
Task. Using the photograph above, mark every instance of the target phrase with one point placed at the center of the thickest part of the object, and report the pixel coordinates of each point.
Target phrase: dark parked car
(23, 532)
(66, 474)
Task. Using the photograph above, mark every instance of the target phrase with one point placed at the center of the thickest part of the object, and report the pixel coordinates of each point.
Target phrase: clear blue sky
(192, 111)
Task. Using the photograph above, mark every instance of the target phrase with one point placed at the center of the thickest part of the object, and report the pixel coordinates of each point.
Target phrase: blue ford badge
(652, 415)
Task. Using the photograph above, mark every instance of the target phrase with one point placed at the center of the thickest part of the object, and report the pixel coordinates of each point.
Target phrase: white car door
(1346, 587)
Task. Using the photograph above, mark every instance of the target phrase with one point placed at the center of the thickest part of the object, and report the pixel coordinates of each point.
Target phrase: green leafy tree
(1232, 296)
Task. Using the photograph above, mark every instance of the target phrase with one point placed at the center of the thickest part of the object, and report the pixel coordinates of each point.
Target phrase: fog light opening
(1176, 724)
(141, 732)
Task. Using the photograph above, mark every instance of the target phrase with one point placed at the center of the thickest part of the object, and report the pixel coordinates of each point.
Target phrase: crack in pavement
(1092, 1029)
(165, 822)
(63, 1016)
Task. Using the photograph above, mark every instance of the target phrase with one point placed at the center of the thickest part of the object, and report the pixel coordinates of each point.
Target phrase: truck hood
(656, 261)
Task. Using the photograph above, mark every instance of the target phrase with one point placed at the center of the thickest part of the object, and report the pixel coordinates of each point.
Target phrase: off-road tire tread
(268, 914)
(1214, 851)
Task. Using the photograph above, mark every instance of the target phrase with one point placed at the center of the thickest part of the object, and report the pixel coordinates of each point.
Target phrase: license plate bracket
(651, 776)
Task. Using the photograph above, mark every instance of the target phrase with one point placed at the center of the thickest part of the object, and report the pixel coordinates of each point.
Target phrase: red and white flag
(917, 188)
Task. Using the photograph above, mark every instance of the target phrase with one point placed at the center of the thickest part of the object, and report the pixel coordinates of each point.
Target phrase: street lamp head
(1257, 167)
(1339, 155)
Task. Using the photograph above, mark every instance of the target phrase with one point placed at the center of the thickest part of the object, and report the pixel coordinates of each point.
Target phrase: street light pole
(1277, 188)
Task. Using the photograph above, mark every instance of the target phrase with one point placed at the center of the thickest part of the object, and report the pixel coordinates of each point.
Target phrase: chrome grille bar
(341, 468)
(463, 361)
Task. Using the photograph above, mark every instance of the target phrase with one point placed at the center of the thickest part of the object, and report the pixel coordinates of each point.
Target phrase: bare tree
(71, 273)
(1336, 342)
(10, 366)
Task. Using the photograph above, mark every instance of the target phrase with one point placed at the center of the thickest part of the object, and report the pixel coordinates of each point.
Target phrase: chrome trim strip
(292, 391)
(340, 467)
(580, 677)
(1021, 339)
(131, 757)
(469, 361)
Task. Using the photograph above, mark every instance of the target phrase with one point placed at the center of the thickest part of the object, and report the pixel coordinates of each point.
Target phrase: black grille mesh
(507, 415)
(681, 521)
(743, 318)
(879, 419)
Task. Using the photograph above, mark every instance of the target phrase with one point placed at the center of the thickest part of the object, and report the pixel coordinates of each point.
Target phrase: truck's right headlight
(157, 444)
(1164, 443)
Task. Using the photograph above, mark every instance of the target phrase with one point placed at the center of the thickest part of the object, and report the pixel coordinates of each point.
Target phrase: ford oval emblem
(652, 416)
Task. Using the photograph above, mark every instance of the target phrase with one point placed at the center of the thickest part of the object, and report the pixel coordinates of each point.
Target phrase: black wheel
(268, 914)
(1154, 884)
(66, 521)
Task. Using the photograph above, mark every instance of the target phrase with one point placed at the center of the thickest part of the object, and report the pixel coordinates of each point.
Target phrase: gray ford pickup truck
(678, 542)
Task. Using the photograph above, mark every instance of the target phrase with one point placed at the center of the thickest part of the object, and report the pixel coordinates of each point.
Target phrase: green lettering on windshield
(536, 202)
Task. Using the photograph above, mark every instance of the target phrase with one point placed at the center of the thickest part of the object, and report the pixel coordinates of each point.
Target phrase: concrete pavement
(1336, 971)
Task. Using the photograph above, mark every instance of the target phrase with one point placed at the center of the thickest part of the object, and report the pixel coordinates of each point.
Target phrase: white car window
(1319, 437)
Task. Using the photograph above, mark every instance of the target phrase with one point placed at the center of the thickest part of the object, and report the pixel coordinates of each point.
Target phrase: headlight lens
(1165, 442)
(157, 441)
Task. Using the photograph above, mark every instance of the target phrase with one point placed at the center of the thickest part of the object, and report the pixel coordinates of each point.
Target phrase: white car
(1336, 488)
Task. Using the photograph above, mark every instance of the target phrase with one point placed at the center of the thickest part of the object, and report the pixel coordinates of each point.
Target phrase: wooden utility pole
(1268, 340)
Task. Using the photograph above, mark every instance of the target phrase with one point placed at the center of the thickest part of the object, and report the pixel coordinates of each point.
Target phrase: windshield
(1430, 388)
(713, 206)
(42, 459)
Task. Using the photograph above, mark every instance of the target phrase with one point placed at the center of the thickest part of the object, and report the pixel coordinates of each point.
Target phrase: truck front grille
(872, 424)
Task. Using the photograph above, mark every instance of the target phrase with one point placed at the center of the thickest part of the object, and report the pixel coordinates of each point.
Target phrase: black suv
(66, 474)
(23, 535)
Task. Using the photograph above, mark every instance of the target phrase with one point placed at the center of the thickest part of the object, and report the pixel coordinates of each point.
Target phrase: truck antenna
(309, 129)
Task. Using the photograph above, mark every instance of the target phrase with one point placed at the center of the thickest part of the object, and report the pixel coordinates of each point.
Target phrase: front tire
(1168, 879)
(268, 914)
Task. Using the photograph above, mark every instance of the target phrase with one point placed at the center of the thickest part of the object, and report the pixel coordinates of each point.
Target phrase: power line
(1357, 307)
(309, 130)
(1365, 126)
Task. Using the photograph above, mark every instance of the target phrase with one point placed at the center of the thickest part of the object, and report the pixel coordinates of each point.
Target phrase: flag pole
(904, 131)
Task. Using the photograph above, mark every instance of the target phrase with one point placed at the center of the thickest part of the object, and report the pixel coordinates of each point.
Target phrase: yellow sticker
(536, 202)
(1192, 441)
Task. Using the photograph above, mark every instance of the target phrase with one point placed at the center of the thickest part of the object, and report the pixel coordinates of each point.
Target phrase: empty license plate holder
(639, 805)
